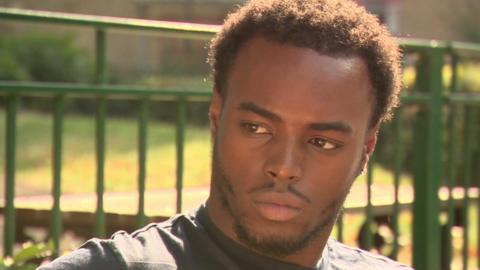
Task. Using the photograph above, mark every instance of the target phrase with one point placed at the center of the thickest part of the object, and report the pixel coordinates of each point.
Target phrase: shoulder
(156, 243)
(344, 257)
(94, 254)
(152, 247)
(156, 246)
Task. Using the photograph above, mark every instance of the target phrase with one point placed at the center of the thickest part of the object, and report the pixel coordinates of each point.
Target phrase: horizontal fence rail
(445, 130)
(163, 28)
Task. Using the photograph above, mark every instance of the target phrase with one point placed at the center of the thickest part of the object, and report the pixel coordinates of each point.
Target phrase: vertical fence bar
(369, 209)
(398, 158)
(100, 156)
(426, 225)
(452, 173)
(142, 158)
(100, 132)
(420, 156)
(56, 221)
(180, 140)
(467, 181)
(100, 56)
(10, 148)
(475, 145)
(435, 156)
(447, 248)
(340, 227)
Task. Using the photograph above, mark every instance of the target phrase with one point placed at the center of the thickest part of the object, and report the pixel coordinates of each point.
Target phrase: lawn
(34, 154)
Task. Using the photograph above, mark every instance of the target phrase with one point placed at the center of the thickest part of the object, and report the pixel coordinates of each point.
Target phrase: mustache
(272, 187)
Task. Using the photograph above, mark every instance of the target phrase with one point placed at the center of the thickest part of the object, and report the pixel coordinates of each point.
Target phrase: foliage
(468, 81)
(467, 77)
(43, 57)
(196, 112)
(28, 257)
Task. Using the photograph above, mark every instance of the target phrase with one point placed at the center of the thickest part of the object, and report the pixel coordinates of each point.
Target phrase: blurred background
(142, 59)
(54, 53)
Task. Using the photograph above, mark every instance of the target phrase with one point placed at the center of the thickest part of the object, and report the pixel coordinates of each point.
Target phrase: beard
(277, 245)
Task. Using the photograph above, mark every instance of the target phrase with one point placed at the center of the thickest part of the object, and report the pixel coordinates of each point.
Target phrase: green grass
(34, 154)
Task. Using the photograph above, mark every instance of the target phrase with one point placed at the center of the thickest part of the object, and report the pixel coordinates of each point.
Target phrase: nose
(284, 162)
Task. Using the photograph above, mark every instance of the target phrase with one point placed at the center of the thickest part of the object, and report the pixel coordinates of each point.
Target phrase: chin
(293, 228)
(274, 243)
(275, 239)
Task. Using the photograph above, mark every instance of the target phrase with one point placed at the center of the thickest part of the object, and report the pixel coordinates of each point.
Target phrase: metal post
(100, 132)
(447, 248)
(426, 225)
(180, 140)
(369, 210)
(10, 143)
(340, 227)
(470, 122)
(450, 182)
(398, 159)
(56, 228)
(142, 158)
(100, 56)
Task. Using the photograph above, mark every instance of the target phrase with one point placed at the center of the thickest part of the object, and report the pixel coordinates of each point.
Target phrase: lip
(278, 207)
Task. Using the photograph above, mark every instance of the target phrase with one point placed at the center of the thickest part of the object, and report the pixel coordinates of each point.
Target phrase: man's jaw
(277, 244)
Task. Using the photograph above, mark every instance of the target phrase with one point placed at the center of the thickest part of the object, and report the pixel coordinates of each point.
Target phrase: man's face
(290, 137)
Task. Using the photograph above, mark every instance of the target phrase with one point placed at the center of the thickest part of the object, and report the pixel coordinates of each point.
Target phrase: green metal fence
(444, 126)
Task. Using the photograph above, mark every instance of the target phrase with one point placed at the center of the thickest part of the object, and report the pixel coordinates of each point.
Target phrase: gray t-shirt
(192, 241)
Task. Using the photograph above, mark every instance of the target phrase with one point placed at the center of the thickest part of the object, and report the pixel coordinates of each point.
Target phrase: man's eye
(254, 128)
(324, 144)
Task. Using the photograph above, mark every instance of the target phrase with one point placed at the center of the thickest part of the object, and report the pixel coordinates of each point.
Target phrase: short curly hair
(338, 28)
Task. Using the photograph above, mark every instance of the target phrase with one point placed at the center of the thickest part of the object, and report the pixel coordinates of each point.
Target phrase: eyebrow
(337, 126)
(252, 107)
(320, 126)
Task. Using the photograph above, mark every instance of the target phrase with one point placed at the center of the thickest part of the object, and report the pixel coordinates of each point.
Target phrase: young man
(300, 89)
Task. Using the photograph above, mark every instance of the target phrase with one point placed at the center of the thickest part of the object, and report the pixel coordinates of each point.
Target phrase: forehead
(300, 84)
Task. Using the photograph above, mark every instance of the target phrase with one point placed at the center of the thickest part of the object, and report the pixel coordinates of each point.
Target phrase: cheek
(332, 176)
(239, 159)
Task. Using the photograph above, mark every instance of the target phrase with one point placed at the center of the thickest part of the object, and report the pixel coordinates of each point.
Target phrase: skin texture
(290, 137)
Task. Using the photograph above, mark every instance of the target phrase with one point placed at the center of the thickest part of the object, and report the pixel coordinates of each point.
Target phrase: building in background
(132, 58)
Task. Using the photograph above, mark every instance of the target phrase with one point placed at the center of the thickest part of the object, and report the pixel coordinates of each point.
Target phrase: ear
(371, 139)
(368, 147)
(215, 110)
